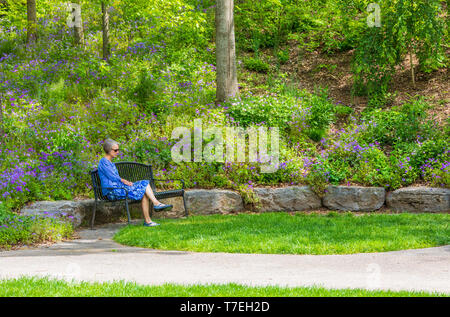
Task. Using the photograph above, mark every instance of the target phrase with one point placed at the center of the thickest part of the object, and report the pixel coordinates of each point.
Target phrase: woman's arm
(112, 174)
(126, 182)
(109, 172)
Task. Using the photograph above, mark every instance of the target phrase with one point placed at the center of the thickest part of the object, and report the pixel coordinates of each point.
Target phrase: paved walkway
(95, 257)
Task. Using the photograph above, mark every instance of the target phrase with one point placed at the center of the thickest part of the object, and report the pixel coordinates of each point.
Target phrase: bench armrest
(173, 179)
(122, 187)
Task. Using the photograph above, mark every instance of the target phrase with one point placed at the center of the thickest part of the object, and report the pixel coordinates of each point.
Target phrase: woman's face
(114, 151)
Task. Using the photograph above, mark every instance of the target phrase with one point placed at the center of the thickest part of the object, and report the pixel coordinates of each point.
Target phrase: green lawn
(45, 287)
(299, 233)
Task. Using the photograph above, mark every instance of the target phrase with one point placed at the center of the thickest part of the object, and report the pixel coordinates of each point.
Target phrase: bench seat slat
(169, 193)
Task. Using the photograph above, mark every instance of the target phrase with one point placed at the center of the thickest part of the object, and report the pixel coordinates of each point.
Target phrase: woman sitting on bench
(109, 177)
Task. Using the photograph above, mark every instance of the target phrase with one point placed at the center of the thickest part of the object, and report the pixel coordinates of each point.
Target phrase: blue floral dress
(109, 177)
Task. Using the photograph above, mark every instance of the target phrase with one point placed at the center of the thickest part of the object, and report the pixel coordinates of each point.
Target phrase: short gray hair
(108, 144)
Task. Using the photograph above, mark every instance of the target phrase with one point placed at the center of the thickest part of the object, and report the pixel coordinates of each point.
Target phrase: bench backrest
(131, 171)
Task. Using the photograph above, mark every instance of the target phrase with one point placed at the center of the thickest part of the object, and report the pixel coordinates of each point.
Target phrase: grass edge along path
(299, 233)
(49, 287)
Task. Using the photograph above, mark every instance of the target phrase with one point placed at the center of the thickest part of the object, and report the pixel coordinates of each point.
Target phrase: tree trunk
(226, 74)
(78, 32)
(32, 22)
(105, 28)
(412, 66)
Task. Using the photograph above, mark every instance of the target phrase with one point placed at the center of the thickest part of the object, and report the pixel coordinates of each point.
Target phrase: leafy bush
(318, 178)
(5, 213)
(342, 111)
(400, 124)
(374, 169)
(321, 114)
(283, 56)
(336, 170)
(18, 230)
(420, 152)
(7, 46)
(309, 113)
(146, 93)
(154, 152)
(256, 65)
(268, 110)
(202, 174)
(436, 173)
(379, 100)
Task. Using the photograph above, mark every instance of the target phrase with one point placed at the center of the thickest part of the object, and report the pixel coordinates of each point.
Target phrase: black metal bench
(133, 172)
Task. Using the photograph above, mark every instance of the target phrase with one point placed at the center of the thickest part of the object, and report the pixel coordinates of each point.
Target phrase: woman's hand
(126, 182)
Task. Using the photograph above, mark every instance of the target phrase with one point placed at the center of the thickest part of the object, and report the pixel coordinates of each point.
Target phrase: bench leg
(128, 211)
(150, 206)
(93, 215)
(185, 209)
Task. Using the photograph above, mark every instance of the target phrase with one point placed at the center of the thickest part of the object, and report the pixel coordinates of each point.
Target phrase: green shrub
(7, 46)
(268, 110)
(5, 213)
(202, 174)
(406, 29)
(154, 152)
(316, 134)
(447, 127)
(419, 153)
(308, 113)
(337, 170)
(400, 124)
(342, 111)
(282, 56)
(380, 100)
(18, 230)
(249, 196)
(321, 114)
(374, 169)
(437, 175)
(56, 92)
(256, 64)
(317, 177)
(146, 93)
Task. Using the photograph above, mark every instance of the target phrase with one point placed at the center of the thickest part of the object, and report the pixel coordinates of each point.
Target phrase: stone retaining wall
(291, 198)
(419, 199)
(354, 198)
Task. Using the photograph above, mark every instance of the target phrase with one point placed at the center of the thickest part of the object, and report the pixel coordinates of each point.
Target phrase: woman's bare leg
(146, 201)
(145, 205)
(149, 193)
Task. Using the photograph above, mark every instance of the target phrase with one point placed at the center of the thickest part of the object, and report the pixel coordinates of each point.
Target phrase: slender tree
(414, 28)
(105, 28)
(32, 22)
(78, 32)
(226, 74)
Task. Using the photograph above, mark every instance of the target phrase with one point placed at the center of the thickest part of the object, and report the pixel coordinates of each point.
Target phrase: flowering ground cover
(18, 230)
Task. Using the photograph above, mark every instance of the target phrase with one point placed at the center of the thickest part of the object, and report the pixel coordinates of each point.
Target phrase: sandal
(151, 224)
(162, 206)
